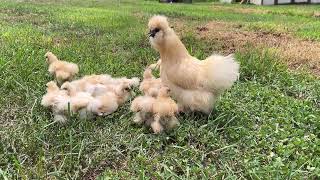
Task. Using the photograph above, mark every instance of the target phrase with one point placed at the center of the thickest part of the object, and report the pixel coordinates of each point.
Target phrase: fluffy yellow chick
(150, 85)
(52, 99)
(53, 91)
(103, 82)
(164, 109)
(133, 82)
(123, 93)
(62, 70)
(106, 100)
(103, 105)
(77, 100)
(142, 106)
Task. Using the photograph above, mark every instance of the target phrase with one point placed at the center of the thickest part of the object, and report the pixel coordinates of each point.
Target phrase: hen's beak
(152, 33)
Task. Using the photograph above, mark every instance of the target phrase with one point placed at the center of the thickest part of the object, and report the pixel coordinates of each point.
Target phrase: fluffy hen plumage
(195, 84)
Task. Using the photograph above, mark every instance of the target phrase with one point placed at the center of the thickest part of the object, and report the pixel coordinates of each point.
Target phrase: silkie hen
(195, 84)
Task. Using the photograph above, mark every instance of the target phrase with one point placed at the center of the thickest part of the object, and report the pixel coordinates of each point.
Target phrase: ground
(265, 127)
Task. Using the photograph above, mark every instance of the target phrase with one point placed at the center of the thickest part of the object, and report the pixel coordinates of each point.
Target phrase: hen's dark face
(153, 32)
(156, 37)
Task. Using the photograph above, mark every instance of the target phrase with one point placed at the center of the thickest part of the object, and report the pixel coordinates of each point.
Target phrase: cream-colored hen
(195, 84)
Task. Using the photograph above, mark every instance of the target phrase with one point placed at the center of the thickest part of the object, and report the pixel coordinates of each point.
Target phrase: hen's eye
(153, 32)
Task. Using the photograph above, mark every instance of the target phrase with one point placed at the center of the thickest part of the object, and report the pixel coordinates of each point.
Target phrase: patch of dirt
(202, 29)
(181, 26)
(14, 16)
(140, 15)
(241, 10)
(231, 37)
(32, 18)
(9, 113)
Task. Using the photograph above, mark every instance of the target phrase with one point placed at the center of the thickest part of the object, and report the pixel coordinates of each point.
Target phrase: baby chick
(102, 105)
(106, 100)
(164, 109)
(150, 85)
(92, 83)
(53, 98)
(142, 106)
(53, 91)
(77, 100)
(62, 70)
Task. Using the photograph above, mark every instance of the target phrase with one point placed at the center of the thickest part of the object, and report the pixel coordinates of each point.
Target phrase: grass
(265, 127)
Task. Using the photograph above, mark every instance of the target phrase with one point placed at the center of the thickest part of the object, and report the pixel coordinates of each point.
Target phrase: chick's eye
(156, 30)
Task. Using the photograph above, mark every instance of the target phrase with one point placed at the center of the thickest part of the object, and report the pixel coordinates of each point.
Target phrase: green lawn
(266, 127)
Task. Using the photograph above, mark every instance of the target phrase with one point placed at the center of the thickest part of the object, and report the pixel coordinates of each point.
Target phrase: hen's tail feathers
(224, 71)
